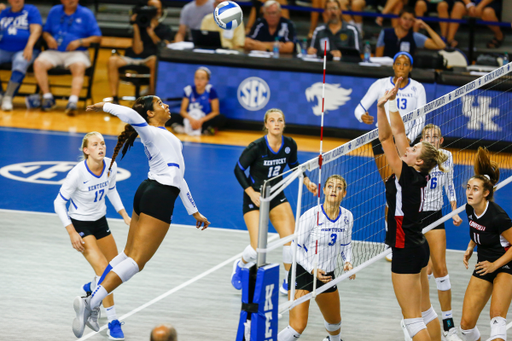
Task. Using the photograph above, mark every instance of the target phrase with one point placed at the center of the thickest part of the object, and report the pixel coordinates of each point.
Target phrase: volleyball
(228, 15)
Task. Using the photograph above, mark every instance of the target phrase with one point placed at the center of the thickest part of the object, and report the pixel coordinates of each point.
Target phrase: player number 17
(101, 191)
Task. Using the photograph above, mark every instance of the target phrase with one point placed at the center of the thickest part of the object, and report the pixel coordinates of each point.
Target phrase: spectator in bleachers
(191, 17)
(20, 28)
(354, 5)
(272, 26)
(68, 31)
(403, 39)
(256, 11)
(336, 31)
(441, 7)
(230, 39)
(199, 114)
(484, 9)
(392, 7)
(143, 50)
(164, 332)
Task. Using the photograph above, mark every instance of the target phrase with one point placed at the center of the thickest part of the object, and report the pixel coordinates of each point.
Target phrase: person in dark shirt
(269, 28)
(256, 12)
(490, 230)
(404, 197)
(143, 50)
(402, 38)
(266, 158)
(337, 32)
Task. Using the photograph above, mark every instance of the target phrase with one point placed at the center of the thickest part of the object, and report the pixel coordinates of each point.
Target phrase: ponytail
(487, 171)
(432, 157)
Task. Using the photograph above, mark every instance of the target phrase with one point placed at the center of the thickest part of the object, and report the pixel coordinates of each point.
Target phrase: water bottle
(505, 58)
(367, 52)
(304, 47)
(276, 48)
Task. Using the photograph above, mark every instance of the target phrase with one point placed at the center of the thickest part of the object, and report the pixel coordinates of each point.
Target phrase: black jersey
(264, 163)
(405, 199)
(486, 231)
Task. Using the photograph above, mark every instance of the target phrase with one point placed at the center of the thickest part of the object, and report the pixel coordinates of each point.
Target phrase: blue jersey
(200, 101)
(67, 28)
(15, 27)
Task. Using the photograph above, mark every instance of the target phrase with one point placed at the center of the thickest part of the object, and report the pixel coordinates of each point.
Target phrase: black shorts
(98, 228)
(507, 268)
(155, 200)
(249, 205)
(428, 217)
(410, 260)
(304, 280)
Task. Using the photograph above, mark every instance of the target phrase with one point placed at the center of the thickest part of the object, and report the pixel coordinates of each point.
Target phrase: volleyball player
(404, 196)
(333, 230)
(266, 158)
(411, 95)
(153, 203)
(436, 238)
(490, 230)
(85, 188)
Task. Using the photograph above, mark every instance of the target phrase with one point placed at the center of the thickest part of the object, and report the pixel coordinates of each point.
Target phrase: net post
(263, 225)
(294, 244)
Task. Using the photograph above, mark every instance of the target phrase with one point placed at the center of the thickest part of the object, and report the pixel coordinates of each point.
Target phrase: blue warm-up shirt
(15, 27)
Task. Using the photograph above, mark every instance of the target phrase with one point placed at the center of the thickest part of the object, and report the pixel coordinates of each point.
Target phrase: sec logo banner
(253, 93)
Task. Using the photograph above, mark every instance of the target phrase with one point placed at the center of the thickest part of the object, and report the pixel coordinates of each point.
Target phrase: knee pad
(17, 77)
(429, 315)
(498, 328)
(126, 269)
(332, 327)
(470, 334)
(249, 254)
(288, 334)
(414, 326)
(287, 254)
(118, 259)
(443, 283)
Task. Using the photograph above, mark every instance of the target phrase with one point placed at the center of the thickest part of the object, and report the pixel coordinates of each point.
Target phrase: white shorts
(57, 58)
(137, 61)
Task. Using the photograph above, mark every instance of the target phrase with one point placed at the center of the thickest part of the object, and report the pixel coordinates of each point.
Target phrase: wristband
(392, 106)
(469, 5)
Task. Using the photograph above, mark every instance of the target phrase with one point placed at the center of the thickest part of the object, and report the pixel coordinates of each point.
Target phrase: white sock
(73, 99)
(447, 314)
(98, 295)
(335, 337)
(111, 313)
(288, 334)
(48, 95)
(286, 276)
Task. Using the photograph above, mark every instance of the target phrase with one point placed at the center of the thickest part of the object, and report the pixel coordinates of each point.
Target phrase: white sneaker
(92, 321)
(7, 103)
(451, 335)
(389, 257)
(406, 332)
(178, 128)
(83, 312)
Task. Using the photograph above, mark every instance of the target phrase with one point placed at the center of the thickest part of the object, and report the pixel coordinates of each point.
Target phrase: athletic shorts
(136, 61)
(65, 59)
(507, 268)
(249, 205)
(428, 217)
(410, 260)
(304, 280)
(98, 228)
(155, 200)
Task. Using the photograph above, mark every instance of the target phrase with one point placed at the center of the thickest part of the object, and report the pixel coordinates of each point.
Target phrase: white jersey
(334, 238)
(163, 150)
(438, 180)
(409, 98)
(86, 192)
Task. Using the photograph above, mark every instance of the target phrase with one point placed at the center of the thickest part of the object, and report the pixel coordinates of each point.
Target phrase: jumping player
(490, 230)
(85, 188)
(267, 158)
(153, 203)
(333, 231)
(404, 196)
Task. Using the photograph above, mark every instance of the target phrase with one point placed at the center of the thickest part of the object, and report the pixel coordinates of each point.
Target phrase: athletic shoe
(328, 338)
(406, 332)
(7, 103)
(283, 289)
(33, 101)
(236, 279)
(114, 331)
(389, 257)
(178, 128)
(87, 289)
(83, 312)
(48, 104)
(451, 335)
(92, 321)
(71, 109)
(210, 131)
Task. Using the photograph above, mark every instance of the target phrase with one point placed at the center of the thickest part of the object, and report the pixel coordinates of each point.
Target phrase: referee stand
(260, 287)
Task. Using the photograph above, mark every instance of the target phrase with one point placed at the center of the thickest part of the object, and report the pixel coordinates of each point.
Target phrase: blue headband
(402, 53)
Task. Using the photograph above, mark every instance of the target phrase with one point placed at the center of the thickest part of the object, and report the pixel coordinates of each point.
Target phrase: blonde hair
(430, 126)
(85, 143)
(339, 178)
(487, 171)
(269, 111)
(431, 157)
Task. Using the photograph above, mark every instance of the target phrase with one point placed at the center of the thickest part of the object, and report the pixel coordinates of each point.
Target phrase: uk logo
(47, 172)
(253, 93)
(480, 115)
(335, 97)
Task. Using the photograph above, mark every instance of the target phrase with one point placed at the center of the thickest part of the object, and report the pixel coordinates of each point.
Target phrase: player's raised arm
(385, 133)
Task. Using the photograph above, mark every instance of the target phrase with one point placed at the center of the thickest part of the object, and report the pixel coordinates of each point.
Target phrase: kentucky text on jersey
(98, 186)
(274, 162)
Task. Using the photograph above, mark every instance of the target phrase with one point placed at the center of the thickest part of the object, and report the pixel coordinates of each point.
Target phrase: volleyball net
(478, 113)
